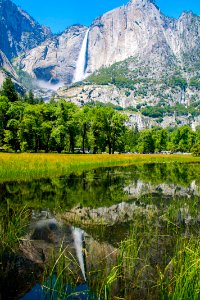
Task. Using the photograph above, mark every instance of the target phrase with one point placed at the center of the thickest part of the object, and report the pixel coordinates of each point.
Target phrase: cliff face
(140, 30)
(18, 31)
(6, 70)
(137, 30)
(144, 46)
(5, 65)
(183, 35)
(55, 59)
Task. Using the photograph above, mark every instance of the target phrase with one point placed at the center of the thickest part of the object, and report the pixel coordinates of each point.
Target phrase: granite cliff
(6, 70)
(137, 30)
(55, 59)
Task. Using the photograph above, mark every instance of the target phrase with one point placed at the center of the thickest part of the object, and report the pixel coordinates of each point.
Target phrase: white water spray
(81, 62)
(78, 243)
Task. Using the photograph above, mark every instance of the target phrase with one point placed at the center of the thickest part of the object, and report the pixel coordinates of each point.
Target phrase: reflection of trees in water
(95, 188)
(182, 174)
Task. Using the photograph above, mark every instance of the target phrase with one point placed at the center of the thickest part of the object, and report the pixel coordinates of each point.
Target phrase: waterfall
(82, 60)
(78, 236)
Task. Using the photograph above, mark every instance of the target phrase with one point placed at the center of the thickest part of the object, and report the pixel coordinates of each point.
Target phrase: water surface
(104, 204)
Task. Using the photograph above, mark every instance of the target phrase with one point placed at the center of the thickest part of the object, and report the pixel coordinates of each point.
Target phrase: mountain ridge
(19, 31)
(115, 36)
(149, 48)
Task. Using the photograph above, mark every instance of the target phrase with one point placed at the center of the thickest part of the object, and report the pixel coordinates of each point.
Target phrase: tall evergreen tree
(8, 90)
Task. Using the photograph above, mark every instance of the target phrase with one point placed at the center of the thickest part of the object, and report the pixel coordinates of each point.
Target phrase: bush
(196, 150)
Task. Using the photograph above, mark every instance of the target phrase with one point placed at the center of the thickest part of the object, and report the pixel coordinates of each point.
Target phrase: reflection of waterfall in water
(78, 236)
(82, 60)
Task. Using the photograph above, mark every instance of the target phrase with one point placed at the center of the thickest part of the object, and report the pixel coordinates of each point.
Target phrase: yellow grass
(27, 166)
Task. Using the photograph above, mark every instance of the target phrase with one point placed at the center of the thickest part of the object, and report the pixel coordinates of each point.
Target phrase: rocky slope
(55, 59)
(6, 66)
(18, 31)
(127, 100)
(6, 70)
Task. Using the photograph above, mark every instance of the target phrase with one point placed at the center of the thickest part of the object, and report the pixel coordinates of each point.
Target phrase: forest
(27, 124)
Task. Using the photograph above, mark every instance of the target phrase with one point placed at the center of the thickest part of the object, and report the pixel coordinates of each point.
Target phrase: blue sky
(59, 14)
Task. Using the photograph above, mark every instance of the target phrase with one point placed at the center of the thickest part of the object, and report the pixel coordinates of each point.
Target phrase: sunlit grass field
(27, 166)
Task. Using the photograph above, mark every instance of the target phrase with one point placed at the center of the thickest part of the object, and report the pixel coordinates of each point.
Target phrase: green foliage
(8, 90)
(182, 274)
(195, 82)
(4, 106)
(196, 150)
(182, 139)
(31, 125)
(159, 111)
(146, 142)
(13, 224)
(178, 82)
(160, 137)
(25, 79)
(153, 111)
(98, 103)
(114, 74)
(131, 108)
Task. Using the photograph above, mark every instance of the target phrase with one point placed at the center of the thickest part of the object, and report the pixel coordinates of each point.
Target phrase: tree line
(27, 124)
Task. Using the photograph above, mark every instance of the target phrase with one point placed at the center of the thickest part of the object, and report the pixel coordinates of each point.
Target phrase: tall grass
(160, 259)
(181, 278)
(32, 166)
(132, 275)
(60, 270)
(13, 225)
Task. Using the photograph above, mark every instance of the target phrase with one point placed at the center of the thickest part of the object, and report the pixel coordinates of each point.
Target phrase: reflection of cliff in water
(103, 186)
(49, 246)
(119, 198)
(139, 188)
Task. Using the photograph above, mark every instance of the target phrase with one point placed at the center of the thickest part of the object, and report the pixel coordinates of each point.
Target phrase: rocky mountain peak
(54, 60)
(141, 2)
(18, 30)
(76, 29)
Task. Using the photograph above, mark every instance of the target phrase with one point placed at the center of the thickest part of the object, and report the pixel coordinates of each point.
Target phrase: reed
(13, 224)
(158, 260)
(61, 275)
(181, 278)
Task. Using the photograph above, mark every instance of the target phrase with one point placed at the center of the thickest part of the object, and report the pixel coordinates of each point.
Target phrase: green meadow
(34, 166)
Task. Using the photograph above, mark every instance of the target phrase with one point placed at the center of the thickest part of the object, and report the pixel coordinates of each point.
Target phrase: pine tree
(9, 91)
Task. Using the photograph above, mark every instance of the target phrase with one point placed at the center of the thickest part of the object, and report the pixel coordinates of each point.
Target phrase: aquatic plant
(13, 225)
(181, 277)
